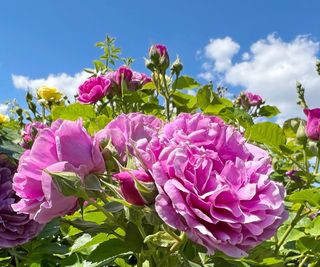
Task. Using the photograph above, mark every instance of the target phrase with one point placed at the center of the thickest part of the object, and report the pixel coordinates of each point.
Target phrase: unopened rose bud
(128, 186)
(176, 67)
(159, 57)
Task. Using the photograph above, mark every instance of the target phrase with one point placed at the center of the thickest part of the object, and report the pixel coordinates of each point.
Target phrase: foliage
(109, 231)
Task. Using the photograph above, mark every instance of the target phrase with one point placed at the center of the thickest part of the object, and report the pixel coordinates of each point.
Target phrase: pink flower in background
(134, 80)
(123, 74)
(253, 99)
(128, 188)
(215, 186)
(66, 146)
(313, 123)
(128, 130)
(93, 89)
(30, 132)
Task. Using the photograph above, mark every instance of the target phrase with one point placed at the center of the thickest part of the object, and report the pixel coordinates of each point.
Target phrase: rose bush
(157, 170)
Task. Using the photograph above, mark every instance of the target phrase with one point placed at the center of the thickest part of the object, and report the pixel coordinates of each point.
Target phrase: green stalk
(152, 260)
(293, 223)
(166, 96)
(304, 261)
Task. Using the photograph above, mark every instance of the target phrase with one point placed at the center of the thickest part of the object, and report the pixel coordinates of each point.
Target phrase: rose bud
(313, 123)
(159, 56)
(130, 181)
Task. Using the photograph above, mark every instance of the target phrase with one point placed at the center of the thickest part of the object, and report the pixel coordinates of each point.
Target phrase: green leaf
(311, 196)
(149, 86)
(314, 227)
(269, 111)
(107, 249)
(133, 238)
(307, 243)
(97, 123)
(113, 206)
(68, 183)
(204, 96)
(186, 83)
(86, 243)
(161, 239)
(73, 112)
(267, 133)
(184, 102)
(11, 149)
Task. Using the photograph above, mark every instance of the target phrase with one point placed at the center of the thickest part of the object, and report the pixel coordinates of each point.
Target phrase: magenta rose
(66, 146)
(130, 132)
(93, 89)
(253, 99)
(123, 74)
(138, 80)
(215, 187)
(134, 80)
(313, 123)
(30, 132)
(128, 188)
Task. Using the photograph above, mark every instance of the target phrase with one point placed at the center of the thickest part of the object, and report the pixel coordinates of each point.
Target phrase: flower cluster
(15, 229)
(212, 184)
(95, 88)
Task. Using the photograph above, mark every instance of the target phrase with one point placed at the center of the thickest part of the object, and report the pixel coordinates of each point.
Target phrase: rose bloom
(215, 187)
(130, 132)
(49, 93)
(313, 123)
(253, 99)
(65, 147)
(30, 132)
(134, 80)
(15, 229)
(3, 118)
(94, 89)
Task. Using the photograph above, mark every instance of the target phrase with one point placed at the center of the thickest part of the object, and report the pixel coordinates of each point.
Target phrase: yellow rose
(49, 93)
(3, 118)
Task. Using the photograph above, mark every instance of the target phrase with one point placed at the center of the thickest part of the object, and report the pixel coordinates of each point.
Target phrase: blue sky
(39, 37)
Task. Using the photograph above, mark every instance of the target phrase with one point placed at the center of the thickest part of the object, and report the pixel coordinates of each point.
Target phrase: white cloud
(66, 84)
(271, 69)
(3, 108)
(221, 51)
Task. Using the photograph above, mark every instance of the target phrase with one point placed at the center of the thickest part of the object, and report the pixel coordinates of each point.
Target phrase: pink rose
(128, 131)
(66, 146)
(215, 187)
(253, 99)
(313, 123)
(93, 89)
(128, 188)
(134, 80)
